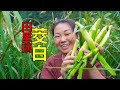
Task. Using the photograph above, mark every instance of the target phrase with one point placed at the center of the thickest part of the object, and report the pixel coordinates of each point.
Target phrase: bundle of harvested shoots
(95, 35)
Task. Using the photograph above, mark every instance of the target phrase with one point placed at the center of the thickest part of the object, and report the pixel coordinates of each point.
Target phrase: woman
(64, 37)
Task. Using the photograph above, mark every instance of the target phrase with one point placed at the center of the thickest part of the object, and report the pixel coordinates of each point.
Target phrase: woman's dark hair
(69, 21)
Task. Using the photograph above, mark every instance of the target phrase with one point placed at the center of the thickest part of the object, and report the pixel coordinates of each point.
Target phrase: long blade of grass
(16, 72)
(3, 45)
(80, 16)
(30, 65)
(2, 71)
(16, 13)
(9, 66)
(18, 67)
(7, 58)
(114, 45)
(68, 14)
(23, 66)
(7, 18)
(111, 55)
(2, 35)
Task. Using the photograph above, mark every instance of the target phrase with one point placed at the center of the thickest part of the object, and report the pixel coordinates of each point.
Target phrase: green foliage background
(17, 65)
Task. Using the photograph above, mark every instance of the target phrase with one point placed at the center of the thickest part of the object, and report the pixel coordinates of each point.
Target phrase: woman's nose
(63, 39)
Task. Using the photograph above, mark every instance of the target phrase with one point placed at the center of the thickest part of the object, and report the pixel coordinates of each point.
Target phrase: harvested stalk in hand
(94, 36)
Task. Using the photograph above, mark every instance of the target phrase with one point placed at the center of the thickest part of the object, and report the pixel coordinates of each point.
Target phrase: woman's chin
(66, 51)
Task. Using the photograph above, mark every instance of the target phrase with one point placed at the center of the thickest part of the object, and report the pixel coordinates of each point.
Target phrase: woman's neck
(63, 56)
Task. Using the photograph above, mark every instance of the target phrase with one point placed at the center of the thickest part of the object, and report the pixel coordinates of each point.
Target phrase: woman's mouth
(65, 46)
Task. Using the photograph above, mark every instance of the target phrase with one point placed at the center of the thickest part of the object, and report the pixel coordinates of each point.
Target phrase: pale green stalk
(102, 43)
(94, 28)
(81, 69)
(73, 71)
(98, 31)
(81, 52)
(75, 47)
(105, 64)
(101, 34)
(106, 37)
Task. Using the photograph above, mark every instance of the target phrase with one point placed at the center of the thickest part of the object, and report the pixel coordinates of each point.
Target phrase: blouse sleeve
(98, 65)
(47, 72)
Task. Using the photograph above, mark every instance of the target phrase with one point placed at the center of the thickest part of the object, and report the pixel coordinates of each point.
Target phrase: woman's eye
(67, 34)
(57, 36)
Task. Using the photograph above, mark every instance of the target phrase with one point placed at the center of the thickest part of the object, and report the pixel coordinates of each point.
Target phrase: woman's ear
(78, 36)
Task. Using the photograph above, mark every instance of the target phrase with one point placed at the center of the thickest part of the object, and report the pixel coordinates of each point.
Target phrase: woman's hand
(67, 63)
(101, 50)
(94, 74)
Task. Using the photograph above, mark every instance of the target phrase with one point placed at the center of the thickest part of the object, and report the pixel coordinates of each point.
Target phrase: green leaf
(2, 71)
(2, 35)
(17, 15)
(15, 71)
(106, 15)
(7, 18)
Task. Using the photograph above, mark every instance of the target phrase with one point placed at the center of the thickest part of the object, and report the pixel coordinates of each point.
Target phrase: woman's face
(64, 38)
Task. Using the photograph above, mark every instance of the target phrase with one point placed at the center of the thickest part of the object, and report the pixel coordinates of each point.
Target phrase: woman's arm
(95, 74)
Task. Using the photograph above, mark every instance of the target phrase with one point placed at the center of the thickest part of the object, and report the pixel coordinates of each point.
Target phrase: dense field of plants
(17, 65)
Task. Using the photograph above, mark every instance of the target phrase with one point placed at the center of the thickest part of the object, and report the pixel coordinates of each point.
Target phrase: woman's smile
(65, 46)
